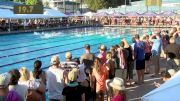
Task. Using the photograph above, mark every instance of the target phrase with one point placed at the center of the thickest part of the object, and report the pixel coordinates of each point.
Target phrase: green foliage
(46, 4)
(19, 1)
(33, 2)
(94, 5)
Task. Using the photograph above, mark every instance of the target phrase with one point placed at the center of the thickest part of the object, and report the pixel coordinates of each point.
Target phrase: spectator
(102, 54)
(118, 87)
(14, 86)
(173, 53)
(88, 58)
(89, 94)
(165, 75)
(38, 73)
(176, 35)
(73, 91)
(35, 88)
(156, 51)
(147, 53)
(99, 76)
(56, 78)
(68, 64)
(140, 59)
(110, 64)
(4, 83)
(114, 56)
(130, 62)
(122, 55)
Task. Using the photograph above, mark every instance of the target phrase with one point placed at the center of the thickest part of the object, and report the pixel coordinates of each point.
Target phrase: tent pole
(9, 25)
(24, 23)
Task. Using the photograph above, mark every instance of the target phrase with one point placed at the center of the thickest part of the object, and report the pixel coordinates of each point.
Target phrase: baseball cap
(102, 47)
(87, 46)
(4, 80)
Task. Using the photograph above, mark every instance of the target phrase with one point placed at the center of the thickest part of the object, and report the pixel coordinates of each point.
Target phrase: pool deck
(134, 93)
(69, 27)
(46, 29)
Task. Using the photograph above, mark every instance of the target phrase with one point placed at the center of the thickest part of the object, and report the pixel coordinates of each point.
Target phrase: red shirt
(118, 98)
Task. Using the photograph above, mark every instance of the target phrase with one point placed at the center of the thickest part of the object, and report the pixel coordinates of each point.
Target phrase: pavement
(135, 92)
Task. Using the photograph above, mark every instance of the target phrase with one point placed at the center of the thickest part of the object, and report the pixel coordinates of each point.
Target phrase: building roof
(67, 2)
(9, 4)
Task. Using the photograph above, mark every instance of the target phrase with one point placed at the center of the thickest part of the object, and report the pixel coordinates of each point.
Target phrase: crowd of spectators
(32, 24)
(143, 21)
(91, 77)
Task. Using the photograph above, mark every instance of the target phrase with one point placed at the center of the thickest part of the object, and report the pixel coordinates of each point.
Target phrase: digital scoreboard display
(28, 9)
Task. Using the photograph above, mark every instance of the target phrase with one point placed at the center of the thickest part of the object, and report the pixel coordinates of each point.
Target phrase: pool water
(17, 50)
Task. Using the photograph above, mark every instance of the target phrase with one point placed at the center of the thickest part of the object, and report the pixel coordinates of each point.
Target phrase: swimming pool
(17, 50)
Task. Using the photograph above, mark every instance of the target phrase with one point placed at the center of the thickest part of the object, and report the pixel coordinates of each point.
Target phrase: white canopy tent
(169, 91)
(89, 14)
(6, 13)
(48, 13)
(31, 16)
(54, 13)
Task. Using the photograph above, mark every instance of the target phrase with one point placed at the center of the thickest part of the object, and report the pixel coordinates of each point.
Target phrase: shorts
(140, 64)
(147, 56)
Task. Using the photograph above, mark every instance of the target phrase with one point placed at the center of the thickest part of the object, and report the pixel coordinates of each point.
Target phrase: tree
(46, 3)
(94, 5)
(33, 2)
(23, 1)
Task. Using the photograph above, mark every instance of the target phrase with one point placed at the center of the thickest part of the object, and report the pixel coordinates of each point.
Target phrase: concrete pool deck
(135, 92)
(69, 27)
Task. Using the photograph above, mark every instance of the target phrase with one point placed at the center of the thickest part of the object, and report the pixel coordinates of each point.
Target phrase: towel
(121, 56)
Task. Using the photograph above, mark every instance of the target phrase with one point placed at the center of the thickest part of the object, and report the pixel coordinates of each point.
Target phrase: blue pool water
(17, 50)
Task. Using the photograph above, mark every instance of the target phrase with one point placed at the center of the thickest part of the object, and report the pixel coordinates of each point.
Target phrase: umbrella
(169, 91)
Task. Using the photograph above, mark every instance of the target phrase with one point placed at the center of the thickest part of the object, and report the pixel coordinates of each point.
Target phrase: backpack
(33, 95)
(13, 96)
(88, 63)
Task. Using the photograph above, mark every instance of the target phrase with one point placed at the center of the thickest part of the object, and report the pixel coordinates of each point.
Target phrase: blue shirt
(156, 47)
(139, 50)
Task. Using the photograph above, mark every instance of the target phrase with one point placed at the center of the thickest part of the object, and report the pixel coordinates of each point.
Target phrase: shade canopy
(149, 14)
(117, 14)
(54, 13)
(101, 14)
(132, 14)
(169, 91)
(168, 13)
(75, 15)
(89, 14)
(6, 13)
(48, 13)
